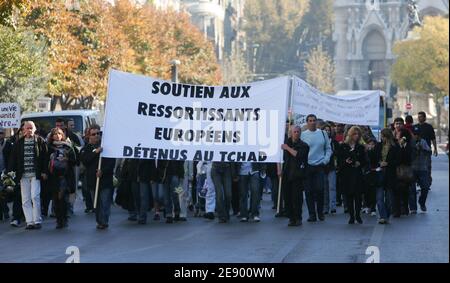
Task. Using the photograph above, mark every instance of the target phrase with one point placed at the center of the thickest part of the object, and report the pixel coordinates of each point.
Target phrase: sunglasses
(96, 134)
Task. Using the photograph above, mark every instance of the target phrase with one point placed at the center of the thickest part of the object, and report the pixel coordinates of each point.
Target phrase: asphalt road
(417, 238)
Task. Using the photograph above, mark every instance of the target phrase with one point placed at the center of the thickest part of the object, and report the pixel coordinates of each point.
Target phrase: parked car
(45, 121)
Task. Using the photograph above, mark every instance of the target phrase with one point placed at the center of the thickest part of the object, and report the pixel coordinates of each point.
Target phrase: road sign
(408, 106)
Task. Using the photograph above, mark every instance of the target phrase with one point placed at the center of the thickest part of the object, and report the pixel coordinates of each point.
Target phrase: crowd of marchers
(326, 164)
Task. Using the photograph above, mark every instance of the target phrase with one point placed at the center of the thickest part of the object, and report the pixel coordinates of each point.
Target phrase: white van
(45, 121)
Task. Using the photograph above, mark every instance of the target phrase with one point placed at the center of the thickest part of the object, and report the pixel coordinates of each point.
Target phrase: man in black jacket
(90, 156)
(29, 161)
(296, 162)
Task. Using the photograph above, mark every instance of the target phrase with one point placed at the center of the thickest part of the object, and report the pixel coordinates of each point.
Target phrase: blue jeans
(222, 183)
(104, 201)
(249, 183)
(314, 186)
(141, 196)
(412, 197)
(171, 203)
(330, 191)
(158, 196)
(423, 179)
(384, 198)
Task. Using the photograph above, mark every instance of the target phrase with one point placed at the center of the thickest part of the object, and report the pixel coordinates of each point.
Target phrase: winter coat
(351, 176)
(16, 160)
(141, 170)
(296, 167)
(66, 150)
(90, 161)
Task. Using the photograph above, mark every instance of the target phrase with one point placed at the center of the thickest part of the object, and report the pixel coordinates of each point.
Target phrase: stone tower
(364, 34)
(219, 20)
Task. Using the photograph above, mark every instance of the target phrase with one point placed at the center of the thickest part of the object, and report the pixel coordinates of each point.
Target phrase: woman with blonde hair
(62, 160)
(351, 161)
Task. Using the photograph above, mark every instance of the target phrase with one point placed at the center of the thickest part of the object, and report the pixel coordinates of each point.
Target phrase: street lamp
(174, 69)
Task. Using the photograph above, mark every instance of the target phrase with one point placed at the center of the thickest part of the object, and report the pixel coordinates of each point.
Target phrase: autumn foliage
(422, 63)
(84, 44)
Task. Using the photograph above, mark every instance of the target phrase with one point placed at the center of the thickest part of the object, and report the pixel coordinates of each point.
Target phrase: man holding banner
(90, 157)
(147, 118)
(296, 159)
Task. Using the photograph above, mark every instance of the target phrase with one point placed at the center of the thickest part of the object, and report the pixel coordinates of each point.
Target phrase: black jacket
(15, 162)
(90, 161)
(69, 174)
(220, 167)
(8, 150)
(351, 176)
(374, 156)
(390, 172)
(165, 168)
(405, 155)
(296, 167)
(143, 170)
(175, 168)
(272, 170)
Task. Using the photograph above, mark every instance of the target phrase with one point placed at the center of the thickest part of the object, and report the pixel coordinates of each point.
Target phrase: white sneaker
(373, 213)
(14, 223)
(256, 219)
(244, 219)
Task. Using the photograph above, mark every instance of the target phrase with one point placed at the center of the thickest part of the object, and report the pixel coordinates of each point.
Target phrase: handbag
(405, 173)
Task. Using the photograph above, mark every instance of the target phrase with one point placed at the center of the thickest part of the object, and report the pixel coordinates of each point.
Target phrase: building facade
(168, 4)
(364, 34)
(219, 21)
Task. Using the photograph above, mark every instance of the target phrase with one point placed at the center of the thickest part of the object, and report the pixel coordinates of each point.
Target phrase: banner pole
(280, 178)
(97, 183)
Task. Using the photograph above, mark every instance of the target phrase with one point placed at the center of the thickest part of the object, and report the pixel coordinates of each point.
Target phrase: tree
(320, 70)
(53, 23)
(22, 67)
(157, 37)
(315, 30)
(270, 28)
(83, 45)
(422, 63)
(316, 27)
(85, 41)
(235, 69)
(11, 9)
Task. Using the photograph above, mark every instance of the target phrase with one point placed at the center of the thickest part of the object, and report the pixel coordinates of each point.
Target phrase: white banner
(147, 118)
(359, 109)
(9, 115)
